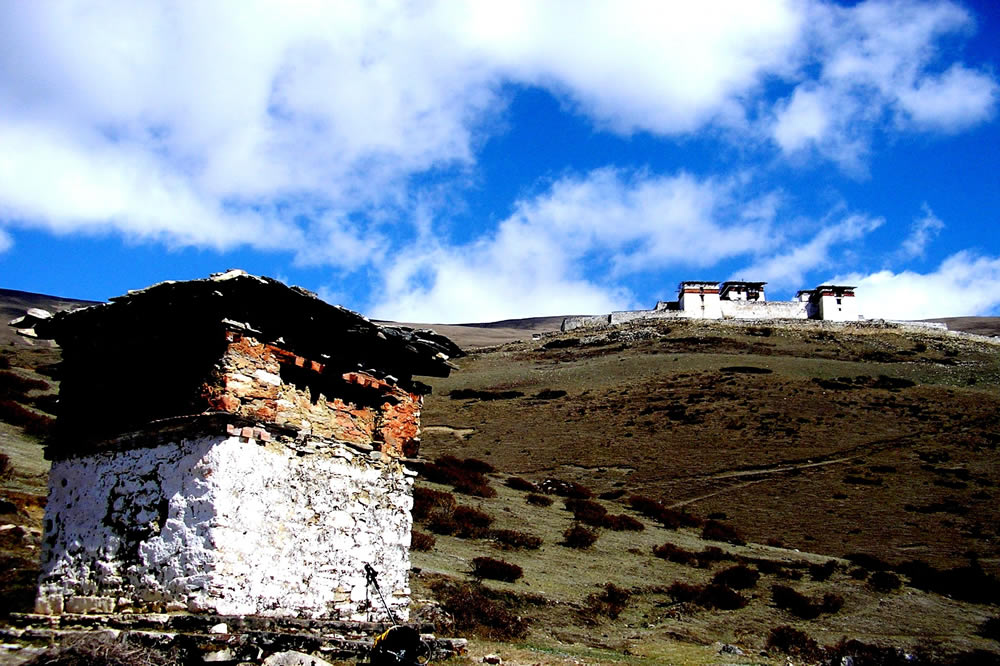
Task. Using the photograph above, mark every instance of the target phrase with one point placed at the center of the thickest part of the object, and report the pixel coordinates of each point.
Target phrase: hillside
(809, 443)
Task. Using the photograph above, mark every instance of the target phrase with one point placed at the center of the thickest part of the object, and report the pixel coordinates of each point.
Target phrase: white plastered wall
(227, 526)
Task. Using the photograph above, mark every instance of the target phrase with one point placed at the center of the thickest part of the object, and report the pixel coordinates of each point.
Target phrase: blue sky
(457, 162)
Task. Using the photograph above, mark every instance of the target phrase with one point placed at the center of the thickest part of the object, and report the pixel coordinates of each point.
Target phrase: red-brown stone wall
(249, 383)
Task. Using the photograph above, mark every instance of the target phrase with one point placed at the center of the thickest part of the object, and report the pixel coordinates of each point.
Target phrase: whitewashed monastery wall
(226, 525)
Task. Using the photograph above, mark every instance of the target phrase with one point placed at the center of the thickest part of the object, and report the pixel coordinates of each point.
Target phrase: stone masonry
(232, 446)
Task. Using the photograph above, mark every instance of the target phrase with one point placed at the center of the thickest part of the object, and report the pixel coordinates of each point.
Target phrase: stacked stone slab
(232, 446)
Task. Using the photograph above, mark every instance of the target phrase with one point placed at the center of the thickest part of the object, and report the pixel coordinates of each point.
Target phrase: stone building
(232, 446)
(735, 299)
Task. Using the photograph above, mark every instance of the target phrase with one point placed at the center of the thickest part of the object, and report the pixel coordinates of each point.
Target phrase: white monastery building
(737, 299)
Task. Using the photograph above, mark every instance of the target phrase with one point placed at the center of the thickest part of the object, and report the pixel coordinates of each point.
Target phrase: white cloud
(6, 242)
(880, 67)
(560, 252)
(789, 267)
(300, 128)
(963, 285)
(922, 232)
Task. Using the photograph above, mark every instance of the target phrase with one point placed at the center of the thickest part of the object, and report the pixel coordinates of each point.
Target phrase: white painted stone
(215, 525)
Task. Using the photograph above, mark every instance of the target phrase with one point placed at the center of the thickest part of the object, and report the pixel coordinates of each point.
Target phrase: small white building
(232, 446)
(835, 302)
(738, 290)
(699, 299)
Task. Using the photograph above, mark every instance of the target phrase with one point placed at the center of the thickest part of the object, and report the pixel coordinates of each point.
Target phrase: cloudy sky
(473, 161)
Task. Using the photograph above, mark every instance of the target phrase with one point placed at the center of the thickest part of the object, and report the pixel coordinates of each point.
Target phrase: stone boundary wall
(227, 524)
(764, 310)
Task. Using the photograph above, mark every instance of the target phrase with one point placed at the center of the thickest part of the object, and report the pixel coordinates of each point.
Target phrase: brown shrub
(716, 531)
(421, 541)
(428, 500)
(622, 523)
(477, 465)
(721, 597)
(471, 522)
(13, 385)
(611, 601)
(586, 511)
(884, 581)
(5, 467)
(802, 606)
(990, 628)
(31, 422)
(821, 572)
(669, 551)
(465, 476)
(791, 641)
(707, 596)
(739, 577)
(538, 500)
(578, 536)
(517, 483)
(100, 651)
(514, 540)
(667, 517)
(475, 612)
(494, 569)
(681, 591)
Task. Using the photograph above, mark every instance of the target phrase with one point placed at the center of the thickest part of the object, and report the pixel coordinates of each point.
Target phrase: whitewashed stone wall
(764, 309)
(228, 526)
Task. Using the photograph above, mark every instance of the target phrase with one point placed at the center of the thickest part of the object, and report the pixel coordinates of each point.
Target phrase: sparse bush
(511, 539)
(831, 603)
(869, 562)
(13, 385)
(538, 500)
(5, 467)
(427, 500)
(721, 597)
(32, 423)
(517, 483)
(858, 573)
(707, 596)
(968, 583)
(791, 641)
(442, 522)
(610, 602)
(669, 551)
(739, 577)
(586, 511)
(471, 522)
(715, 554)
(474, 488)
(611, 494)
(421, 541)
(550, 394)
(821, 572)
(802, 606)
(681, 591)
(98, 650)
(884, 581)
(862, 654)
(4, 362)
(579, 536)
(667, 517)
(478, 614)
(716, 531)
(990, 628)
(477, 465)
(494, 569)
(465, 476)
(622, 523)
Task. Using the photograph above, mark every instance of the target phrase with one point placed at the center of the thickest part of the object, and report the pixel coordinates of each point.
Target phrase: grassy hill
(838, 482)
